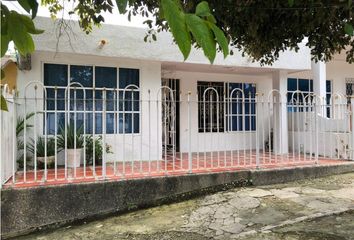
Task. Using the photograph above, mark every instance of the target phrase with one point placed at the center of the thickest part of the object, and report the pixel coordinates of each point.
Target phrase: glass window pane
(128, 76)
(292, 84)
(311, 85)
(328, 86)
(249, 90)
(111, 100)
(55, 75)
(304, 85)
(98, 123)
(82, 74)
(253, 123)
(128, 122)
(235, 93)
(110, 123)
(51, 122)
(106, 77)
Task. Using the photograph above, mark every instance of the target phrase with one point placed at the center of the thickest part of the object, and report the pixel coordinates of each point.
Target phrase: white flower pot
(74, 157)
(50, 159)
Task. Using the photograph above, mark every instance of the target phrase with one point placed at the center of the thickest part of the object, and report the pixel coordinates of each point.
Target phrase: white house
(189, 110)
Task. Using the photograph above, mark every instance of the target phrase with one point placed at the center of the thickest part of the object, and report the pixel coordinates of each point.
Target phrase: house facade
(147, 104)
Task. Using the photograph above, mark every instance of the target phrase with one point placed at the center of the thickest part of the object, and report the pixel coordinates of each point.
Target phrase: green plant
(40, 147)
(20, 126)
(40, 151)
(71, 134)
(98, 149)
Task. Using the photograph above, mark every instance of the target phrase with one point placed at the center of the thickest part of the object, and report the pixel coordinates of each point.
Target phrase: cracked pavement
(311, 209)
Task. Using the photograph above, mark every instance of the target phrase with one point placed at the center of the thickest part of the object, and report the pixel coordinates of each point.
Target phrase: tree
(260, 29)
(187, 28)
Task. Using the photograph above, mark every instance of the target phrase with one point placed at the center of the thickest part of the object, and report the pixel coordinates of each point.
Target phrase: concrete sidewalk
(309, 209)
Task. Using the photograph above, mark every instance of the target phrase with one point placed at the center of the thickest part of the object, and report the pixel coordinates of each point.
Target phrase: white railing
(117, 135)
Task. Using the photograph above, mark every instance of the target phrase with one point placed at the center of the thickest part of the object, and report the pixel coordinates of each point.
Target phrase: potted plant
(74, 144)
(39, 149)
(98, 149)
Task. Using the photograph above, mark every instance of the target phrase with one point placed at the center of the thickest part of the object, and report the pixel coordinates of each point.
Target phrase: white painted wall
(150, 79)
(128, 42)
(215, 141)
(338, 71)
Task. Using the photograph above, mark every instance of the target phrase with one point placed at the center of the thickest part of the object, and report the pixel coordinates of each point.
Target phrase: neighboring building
(9, 66)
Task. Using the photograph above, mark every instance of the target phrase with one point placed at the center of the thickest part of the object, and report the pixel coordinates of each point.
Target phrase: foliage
(260, 29)
(39, 148)
(20, 126)
(3, 104)
(71, 134)
(18, 28)
(197, 28)
(98, 149)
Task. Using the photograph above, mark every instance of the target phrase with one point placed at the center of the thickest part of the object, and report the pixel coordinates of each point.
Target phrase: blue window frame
(210, 106)
(129, 100)
(294, 99)
(95, 80)
(306, 87)
(241, 117)
(328, 97)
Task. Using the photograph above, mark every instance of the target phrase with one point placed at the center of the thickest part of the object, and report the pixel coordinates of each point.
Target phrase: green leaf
(202, 35)
(4, 44)
(34, 6)
(22, 39)
(25, 4)
(202, 9)
(3, 104)
(348, 28)
(28, 23)
(177, 21)
(29, 6)
(221, 39)
(122, 6)
(291, 2)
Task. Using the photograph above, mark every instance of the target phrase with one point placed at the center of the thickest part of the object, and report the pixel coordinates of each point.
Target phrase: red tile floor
(171, 165)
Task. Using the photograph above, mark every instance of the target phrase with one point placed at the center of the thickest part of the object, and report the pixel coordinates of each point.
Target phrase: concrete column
(319, 78)
(280, 132)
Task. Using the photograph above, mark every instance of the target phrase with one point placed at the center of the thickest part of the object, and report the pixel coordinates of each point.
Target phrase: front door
(170, 115)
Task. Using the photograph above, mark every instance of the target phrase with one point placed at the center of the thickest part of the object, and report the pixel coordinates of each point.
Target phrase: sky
(114, 18)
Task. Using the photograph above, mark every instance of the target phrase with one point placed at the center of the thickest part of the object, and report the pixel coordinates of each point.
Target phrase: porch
(202, 163)
(145, 135)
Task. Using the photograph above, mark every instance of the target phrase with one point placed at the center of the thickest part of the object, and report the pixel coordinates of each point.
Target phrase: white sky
(114, 18)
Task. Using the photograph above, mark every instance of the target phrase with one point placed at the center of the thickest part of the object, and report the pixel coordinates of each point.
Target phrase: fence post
(189, 135)
(1, 136)
(316, 131)
(14, 139)
(352, 123)
(104, 109)
(257, 135)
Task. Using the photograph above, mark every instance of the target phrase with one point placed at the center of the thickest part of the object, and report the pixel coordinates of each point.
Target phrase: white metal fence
(78, 134)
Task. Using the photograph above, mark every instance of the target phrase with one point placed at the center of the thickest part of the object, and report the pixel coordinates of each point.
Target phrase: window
(293, 98)
(237, 120)
(210, 106)
(306, 87)
(328, 97)
(231, 111)
(349, 86)
(95, 81)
